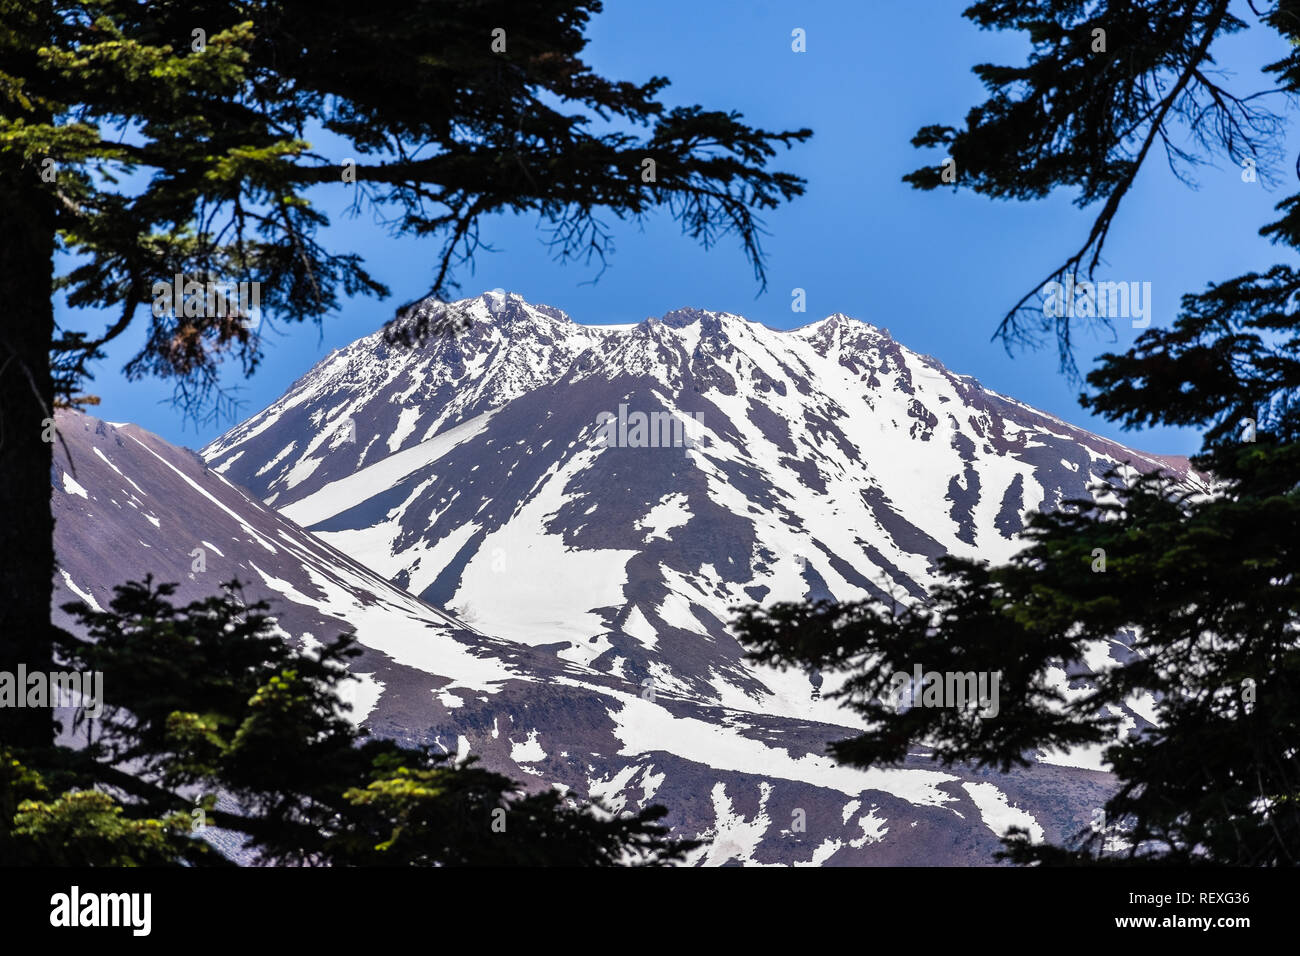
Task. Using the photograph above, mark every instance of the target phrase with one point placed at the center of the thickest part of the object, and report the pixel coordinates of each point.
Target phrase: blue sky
(937, 269)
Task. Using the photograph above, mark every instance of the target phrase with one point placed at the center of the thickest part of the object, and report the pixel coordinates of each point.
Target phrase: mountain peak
(680, 318)
(838, 321)
(598, 500)
(513, 307)
(496, 307)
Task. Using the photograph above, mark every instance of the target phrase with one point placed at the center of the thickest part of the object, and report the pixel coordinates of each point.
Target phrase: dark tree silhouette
(150, 141)
(1205, 584)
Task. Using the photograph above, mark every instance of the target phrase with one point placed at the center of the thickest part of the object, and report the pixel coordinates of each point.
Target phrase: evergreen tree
(153, 140)
(212, 720)
(171, 141)
(1204, 585)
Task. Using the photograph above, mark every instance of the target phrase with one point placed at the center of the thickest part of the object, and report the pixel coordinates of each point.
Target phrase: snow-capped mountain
(127, 504)
(540, 531)
(757, 785)
(473, 470)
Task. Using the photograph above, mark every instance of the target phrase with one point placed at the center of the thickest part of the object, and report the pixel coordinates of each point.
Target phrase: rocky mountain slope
(545, 577)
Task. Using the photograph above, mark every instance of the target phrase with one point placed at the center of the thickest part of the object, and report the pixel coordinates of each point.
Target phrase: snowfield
(563, 609)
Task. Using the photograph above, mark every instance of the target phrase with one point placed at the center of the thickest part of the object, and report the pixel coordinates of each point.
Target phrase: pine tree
(156, 144)
(212, 720)
(150, 141)
(1202, 585)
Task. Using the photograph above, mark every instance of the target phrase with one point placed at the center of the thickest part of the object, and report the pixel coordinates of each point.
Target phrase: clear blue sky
(937, 269)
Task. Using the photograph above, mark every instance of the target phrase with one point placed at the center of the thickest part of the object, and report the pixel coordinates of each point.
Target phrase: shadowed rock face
(588, 589)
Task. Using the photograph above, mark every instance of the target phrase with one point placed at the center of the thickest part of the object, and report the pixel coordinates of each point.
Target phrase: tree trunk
(26, 400)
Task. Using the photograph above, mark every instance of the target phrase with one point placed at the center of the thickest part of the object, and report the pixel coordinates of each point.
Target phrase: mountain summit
(558, 566)
(831, 461)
